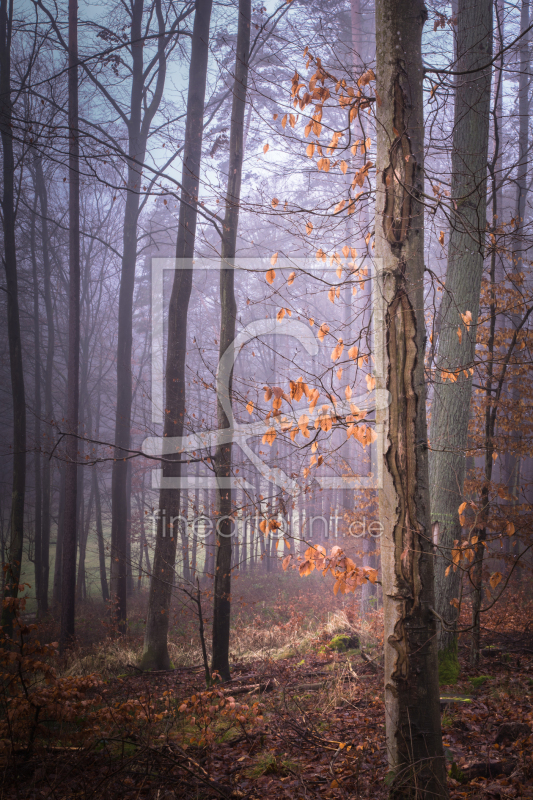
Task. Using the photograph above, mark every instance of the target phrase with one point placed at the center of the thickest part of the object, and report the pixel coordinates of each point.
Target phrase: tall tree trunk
(455, 352)
(68, 583)
(13, 322)
(119, 480)
(155, 653)
(228, 311)
(412, 709)
(38, 563)
(58, 565)
(81, 585)
(100, 537)
(40, 187)
(129, 564)
(512, 460)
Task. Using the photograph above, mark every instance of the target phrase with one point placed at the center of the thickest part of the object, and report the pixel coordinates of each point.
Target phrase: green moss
(478, 682)
(456, 773)
(449, 668)
(343, 642)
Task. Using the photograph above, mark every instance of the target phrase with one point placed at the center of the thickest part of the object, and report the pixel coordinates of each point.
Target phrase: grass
(269, 763)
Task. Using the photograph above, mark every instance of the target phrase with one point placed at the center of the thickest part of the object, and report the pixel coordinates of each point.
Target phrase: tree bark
(40, 188)
(412, 706)
(38, 563)
(58, 565)
(100, 537)
(455, 352)
(155, 653)
(12, 579)
(512, 460)
(224, 522)
(138, 129)
(68, 583)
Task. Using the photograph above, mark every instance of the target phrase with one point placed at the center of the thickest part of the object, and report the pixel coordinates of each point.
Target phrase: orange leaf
(337, 352)
(495, 579)
(250, 407)
(265, 147)
(286, 561)
(269, 437)
(324, 328)
(271, 274)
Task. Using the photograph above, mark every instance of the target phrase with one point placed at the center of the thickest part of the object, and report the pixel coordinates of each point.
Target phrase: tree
(138, 127)
(40, 188)
(13, 319)
(155, 652)
(68, 583)
(459, 310)
(411, 676)
(228, 311)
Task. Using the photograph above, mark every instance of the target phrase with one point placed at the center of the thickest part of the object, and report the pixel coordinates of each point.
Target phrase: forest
(266, 426)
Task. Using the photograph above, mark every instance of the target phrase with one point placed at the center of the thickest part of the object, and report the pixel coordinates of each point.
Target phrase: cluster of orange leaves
(348, 576)
(464, 551)
(33, 695)
(212, 713)
(326, 416)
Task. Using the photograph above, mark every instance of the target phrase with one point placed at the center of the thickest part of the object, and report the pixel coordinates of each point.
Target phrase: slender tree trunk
(512, 459)
(13, 322)
(223, 516)
(100, 537)
(455, 353)
(155, 654)
(129, 543)
(119, 481)
(412, 709)
(40, 188)
(138, 128)
(81, 585)
(183, 531)
(68, 583)
(38, 564)
(58, 565)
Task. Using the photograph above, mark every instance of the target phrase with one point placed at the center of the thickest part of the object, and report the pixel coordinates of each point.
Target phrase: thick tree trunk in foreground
(412, 709)
(455, 353)
(155, 653)
(12, 578)
(68, 583)
(224, 522)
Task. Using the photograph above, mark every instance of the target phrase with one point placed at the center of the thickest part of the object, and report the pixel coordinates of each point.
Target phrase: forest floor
(299, 719)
